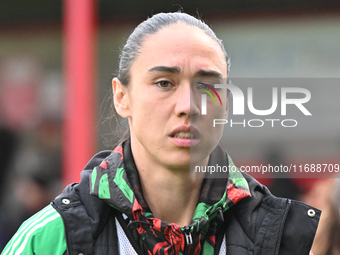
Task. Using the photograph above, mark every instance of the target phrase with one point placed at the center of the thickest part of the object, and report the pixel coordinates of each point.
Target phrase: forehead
(183, 46)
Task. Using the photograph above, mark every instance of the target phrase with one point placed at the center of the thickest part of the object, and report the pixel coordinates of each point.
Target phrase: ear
(120, 98)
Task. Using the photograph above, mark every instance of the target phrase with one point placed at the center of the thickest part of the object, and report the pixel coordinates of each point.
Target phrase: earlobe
(120, 98)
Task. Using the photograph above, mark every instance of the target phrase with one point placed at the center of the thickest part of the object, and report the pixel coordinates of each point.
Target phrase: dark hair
(152, 25)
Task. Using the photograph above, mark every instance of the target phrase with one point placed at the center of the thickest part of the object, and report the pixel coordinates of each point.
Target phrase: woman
(140, 199)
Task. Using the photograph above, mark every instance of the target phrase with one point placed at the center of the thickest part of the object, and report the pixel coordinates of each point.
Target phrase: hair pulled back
(151, 26)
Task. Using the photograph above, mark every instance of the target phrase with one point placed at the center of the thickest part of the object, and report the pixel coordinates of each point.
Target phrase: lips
(185, 132)
(185, 136)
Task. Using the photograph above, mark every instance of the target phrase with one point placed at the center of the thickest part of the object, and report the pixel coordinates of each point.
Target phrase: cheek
(219, 113)
(140, 101)
(146, 112)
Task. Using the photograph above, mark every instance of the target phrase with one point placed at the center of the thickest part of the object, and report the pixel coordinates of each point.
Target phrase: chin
(179, 163)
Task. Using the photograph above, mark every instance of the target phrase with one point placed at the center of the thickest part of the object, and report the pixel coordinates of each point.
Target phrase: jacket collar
(116, 182)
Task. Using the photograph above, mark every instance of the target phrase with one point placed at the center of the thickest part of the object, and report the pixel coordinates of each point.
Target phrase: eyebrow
(175, 69)
(167, 69)
(204, 73)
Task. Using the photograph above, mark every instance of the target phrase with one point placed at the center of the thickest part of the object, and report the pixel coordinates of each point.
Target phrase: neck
(170, 193)
(171, 196)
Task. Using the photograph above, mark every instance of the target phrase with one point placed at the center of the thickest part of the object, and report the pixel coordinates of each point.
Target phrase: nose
(186, 101)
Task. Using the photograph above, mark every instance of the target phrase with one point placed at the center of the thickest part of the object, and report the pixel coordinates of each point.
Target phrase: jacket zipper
(187, 233)
(188, 239)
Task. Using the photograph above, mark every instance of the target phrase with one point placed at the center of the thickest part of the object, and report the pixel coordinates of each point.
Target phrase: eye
(204, 86)
(209, 89)
(164, 84)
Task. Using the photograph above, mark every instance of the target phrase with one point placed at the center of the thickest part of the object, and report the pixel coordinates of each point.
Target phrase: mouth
(184, 135)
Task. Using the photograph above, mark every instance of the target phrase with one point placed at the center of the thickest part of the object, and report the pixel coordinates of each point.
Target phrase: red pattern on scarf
(119, 149)
(137, 210)
(235, 194)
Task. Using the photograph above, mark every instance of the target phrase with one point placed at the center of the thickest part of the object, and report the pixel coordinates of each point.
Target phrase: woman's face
(163, 104)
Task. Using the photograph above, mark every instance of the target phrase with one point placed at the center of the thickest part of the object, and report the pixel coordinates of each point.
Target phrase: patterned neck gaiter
(116, 181)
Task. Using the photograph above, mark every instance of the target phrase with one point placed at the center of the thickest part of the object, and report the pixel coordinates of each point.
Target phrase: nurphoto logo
(304, 96)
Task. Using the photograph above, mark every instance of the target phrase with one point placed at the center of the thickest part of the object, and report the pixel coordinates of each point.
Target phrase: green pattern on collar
(110, 182)
(121, 183)
(236, 176)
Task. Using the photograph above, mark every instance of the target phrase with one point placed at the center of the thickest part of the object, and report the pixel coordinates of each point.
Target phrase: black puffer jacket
(258, 225)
